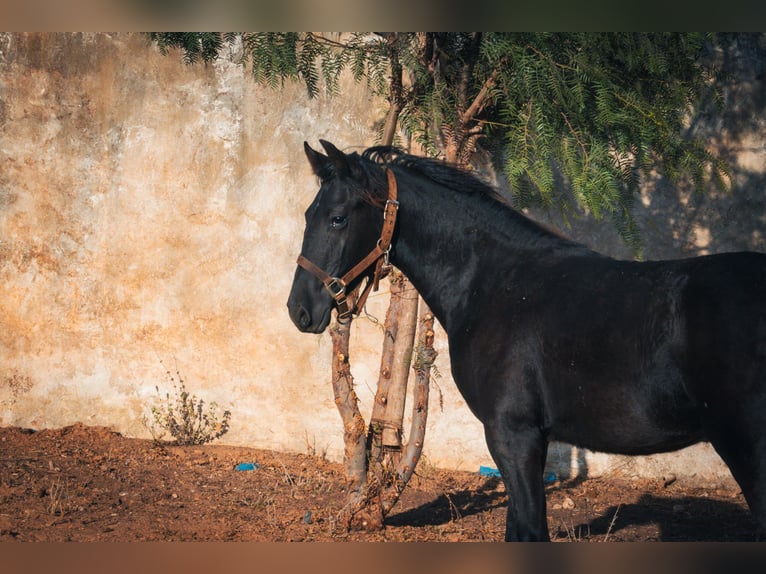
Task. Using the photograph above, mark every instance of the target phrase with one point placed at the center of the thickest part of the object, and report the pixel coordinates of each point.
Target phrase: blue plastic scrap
(549, 478)
(489, 471)
(247, 466)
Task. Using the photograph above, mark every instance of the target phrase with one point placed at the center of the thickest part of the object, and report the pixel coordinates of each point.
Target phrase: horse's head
(343, 225)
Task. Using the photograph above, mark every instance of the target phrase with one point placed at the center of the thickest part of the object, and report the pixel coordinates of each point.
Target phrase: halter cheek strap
(336, 287)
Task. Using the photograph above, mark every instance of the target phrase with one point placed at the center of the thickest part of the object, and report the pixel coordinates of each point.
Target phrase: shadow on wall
(566, 462)
(676, 221)
(742, 60)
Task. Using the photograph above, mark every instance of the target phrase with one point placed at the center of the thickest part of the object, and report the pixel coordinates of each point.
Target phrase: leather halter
(336, 286)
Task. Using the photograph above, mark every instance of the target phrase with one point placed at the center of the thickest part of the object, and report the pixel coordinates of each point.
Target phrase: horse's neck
(450, 246)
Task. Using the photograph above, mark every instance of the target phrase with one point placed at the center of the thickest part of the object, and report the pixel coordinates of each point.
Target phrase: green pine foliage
(196, 46)
(591, 113)
(275, 57)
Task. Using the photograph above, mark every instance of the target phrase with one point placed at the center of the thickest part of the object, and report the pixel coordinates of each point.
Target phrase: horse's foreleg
(520, 457)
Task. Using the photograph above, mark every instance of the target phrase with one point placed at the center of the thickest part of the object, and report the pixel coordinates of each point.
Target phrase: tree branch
(481, 98)
(395, 89)
(466, 73)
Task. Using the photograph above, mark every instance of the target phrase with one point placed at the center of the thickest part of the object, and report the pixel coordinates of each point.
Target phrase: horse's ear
(339, 159)
(317, 160)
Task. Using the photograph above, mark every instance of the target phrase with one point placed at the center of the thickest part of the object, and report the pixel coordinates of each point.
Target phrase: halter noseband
(336, 286)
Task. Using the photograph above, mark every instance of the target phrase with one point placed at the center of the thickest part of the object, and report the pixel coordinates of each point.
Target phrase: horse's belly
(630, 441)
(628, 421)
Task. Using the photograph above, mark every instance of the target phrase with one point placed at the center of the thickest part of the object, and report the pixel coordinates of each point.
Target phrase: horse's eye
(338, 221)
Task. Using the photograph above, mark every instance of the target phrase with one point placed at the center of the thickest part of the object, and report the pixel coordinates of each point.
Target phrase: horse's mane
(440, 172)
(447, 175)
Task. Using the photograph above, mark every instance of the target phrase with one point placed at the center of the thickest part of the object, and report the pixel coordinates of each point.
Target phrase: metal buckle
(390, 202)
(344, 316)
(336, 288)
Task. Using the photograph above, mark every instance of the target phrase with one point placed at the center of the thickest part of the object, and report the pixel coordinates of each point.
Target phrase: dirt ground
(82, 483)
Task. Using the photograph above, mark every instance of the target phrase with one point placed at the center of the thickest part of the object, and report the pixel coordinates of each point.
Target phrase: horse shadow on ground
(679, 519)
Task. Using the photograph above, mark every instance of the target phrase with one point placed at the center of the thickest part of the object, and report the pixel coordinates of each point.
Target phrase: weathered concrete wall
(152, 212)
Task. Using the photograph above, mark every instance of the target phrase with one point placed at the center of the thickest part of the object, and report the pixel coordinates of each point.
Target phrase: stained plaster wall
(150, 216)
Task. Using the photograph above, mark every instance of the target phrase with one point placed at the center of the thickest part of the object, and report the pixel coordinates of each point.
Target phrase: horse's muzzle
(305, 321)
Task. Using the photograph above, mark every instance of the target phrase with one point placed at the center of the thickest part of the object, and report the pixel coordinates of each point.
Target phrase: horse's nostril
(304, 319)
(300, 316)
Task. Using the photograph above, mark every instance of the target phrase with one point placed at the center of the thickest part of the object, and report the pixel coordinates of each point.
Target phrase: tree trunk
(399, 336)
(424, 356)
(384, 436)
(389, 467)
(354, 439)
(379, 474)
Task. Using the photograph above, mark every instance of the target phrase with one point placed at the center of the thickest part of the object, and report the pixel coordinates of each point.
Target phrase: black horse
(548, 339)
